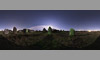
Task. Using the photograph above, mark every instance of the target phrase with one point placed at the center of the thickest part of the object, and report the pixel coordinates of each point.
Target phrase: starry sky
(62, 19)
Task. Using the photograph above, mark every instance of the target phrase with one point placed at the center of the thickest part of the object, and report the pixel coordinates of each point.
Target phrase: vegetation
(53, 40)
(44, 30)
(43, 41)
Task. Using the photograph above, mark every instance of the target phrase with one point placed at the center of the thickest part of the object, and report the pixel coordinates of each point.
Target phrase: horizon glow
(61, 19)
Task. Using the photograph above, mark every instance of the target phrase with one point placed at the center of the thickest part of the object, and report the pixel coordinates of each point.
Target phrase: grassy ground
(56, 41)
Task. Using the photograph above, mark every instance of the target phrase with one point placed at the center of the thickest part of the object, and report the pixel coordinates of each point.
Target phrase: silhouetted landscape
(41, 40)
(49, 29)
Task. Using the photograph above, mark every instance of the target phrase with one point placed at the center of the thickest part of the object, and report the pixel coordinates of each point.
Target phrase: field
(82, 40)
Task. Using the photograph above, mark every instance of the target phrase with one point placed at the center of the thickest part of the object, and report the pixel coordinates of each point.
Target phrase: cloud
(40, 27)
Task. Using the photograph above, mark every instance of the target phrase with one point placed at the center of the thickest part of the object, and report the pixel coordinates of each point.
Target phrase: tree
(63, 30)
(49, 30)
(55, 30)
(44, 30)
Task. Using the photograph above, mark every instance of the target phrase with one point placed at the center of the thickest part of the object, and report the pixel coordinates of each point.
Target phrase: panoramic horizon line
(40, 27)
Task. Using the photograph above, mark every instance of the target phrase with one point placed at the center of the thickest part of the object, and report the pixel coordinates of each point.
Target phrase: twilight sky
(62, 19)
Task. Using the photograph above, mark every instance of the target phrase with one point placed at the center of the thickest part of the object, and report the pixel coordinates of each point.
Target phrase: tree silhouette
(44, 30)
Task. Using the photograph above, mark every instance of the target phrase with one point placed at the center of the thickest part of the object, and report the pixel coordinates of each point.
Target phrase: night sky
(62, 19)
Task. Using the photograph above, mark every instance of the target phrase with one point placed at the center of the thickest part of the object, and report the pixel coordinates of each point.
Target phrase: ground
(82, 40)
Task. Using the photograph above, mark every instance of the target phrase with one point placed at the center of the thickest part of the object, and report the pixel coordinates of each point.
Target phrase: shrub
(44, 30)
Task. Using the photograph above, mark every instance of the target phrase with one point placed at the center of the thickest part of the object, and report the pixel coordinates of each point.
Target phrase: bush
(44, 30)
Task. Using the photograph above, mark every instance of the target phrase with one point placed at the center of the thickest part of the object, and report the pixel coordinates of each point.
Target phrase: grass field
(55, 41)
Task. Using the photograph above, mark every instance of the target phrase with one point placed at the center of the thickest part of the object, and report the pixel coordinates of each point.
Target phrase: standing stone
(25, 30)
(72, 32)
(49, 30)
(14, 30)
(6, 31)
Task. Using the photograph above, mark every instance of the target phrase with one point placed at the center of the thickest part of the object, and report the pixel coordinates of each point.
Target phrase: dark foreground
(56, 41)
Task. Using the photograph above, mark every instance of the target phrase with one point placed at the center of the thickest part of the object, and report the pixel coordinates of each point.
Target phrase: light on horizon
(89, 30)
